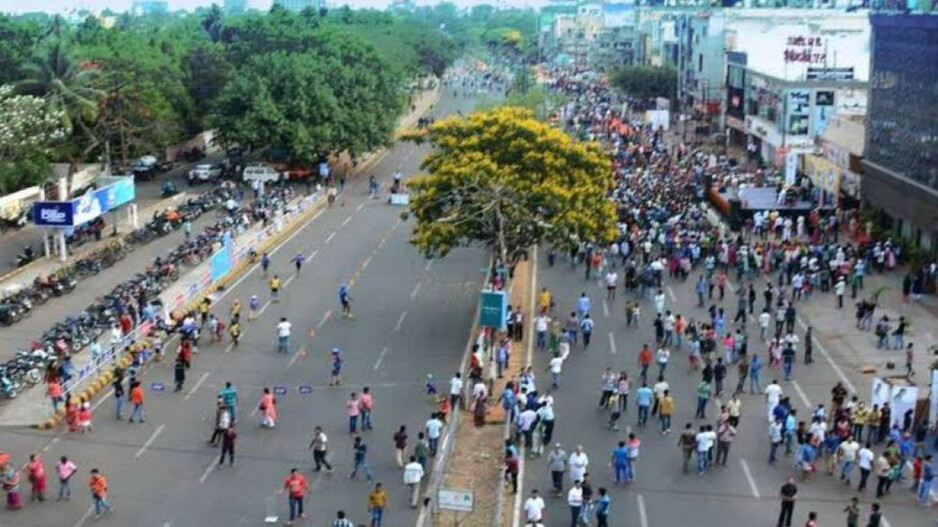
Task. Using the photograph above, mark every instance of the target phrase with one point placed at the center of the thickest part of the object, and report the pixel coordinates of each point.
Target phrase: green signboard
(494, 309)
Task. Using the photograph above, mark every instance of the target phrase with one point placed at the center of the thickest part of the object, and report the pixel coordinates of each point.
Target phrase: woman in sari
(11, 485)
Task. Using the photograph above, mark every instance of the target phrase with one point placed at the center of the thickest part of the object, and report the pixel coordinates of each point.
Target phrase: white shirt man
(541, 323)
(455, 386)
(283, 328)
(534, 509)
(575, 496)
(662, 356)
(773, 393)
(764, 319)
(578, 464)
(434, 427)
(413, 473)
(865, 459)
(611, 278)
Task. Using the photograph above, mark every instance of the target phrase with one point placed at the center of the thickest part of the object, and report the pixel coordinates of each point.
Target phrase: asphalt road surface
(745, 493)
(413, 317)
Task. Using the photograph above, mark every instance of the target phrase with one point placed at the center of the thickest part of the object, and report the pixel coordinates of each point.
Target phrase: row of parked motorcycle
(18, 305)
(51, 352)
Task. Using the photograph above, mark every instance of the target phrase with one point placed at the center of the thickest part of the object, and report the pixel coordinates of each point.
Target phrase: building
(568, 31)
(299, 5)
(834, 166)
(615, 44)
(235, 7)
(786, 79)
(149, 7)
(900, 166)
(701, 47)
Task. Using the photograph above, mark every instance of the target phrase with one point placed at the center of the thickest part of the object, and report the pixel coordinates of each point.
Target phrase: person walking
(575, 502)
(360, 459)
(852, 510)
(320, 447)
(353, 409)
(687, 443)
(268, 407)
(36, 471)
(413, 475)
(66, 469)
(400, 445)
(725, 434)
(665, 411)
(296, 486)
(534, 510)
(283, 335)
(603, 506)
(926, 482)
(377, 504)
(434, 427)
(643, 399)
(229, 397)
(136, 398)
(228, 438)
(119, 396)
(703, 396)
(876, 516)
(98, 485)
(557, 459)
(788, 492)
(179, 373)
(620, 462)
(367, 404)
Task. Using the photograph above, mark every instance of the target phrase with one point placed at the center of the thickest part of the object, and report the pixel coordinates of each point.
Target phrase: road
(162, 473)
(743, 494)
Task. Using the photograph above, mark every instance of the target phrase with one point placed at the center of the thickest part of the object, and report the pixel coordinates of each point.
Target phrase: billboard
(87, 207)
(494, 309)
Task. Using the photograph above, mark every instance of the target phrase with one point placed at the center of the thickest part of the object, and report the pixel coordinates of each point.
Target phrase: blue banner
(220, 263)
(494, 309)
(87, 207)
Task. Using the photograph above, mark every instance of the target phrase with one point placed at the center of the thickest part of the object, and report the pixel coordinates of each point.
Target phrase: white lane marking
(642, 515)
(263, 308)
(885, 522)
(325, 318)
(605, 309)
(312, 254)
(672, 295)
(208, 471)
(330, 237)
(366, 262)
(346, 220)
(107, 395)
(413, 294)
(288, 280)
(84, 517)
(168, 524)
(273, 251)
(802, 395)
(197, 384)
(428, 266)
(818, 346)
(360, 206)
(295, 357)
(749, 478)
(48, 446)
(400, 321)
(612, 344)
(229, 347)
(384, 350)
(156, 433)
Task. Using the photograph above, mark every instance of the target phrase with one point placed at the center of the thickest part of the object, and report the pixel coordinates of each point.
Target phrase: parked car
(203, 172)
(293, 171)
(262, 173)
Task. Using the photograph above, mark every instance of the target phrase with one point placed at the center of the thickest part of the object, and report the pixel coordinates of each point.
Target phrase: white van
(262, 173)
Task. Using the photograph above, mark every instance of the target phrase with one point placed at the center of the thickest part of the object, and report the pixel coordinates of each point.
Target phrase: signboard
(85, 208)
(806, 50)
(455, 500)
(494, 309)
(830, 74)
(220, 263)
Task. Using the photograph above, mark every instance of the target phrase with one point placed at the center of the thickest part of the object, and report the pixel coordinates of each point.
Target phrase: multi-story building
(615, 44)
(235, 7)
(299, 5)
(900, 167)
(568, 31)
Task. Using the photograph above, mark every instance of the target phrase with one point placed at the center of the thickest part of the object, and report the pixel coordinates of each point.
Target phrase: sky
(59, 6)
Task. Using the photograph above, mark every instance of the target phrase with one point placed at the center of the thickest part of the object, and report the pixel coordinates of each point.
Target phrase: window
(700, 62)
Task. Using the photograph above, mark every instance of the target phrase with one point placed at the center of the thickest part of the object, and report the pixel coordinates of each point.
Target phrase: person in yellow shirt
(377, 504)
(872, 422)
(545, 301)
(274, 288)
(861, 414)
(665, 411)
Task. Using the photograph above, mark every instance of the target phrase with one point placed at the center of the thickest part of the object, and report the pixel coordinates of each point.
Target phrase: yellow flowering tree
(503, 178)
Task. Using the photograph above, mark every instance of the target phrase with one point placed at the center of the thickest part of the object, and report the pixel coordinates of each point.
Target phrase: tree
(505, 179)
(647, 82)
(29, 127)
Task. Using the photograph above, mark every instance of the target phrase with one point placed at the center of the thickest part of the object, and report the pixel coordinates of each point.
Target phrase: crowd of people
(749, 286)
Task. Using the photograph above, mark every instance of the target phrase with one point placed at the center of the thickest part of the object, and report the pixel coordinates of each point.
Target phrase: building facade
(299, 5)
(900, 168)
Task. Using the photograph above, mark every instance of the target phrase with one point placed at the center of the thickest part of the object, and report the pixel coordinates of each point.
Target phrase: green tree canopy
(647, 82)
(505, 179)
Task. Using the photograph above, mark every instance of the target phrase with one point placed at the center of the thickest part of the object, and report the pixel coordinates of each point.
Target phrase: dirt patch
(477, 458)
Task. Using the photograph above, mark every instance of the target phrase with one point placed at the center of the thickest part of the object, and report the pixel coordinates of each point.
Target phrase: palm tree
(212, 23)
(66, 84)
